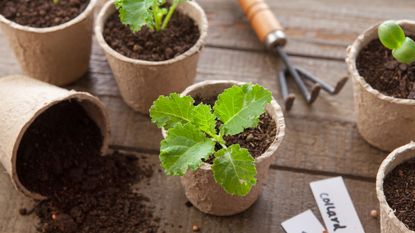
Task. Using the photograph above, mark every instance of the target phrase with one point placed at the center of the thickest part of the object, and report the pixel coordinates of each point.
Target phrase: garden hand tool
(270, 32)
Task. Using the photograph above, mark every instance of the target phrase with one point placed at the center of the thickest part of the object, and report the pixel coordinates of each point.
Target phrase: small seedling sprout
(392, 36)
(56, 2)
(151, 13)
(192, 134)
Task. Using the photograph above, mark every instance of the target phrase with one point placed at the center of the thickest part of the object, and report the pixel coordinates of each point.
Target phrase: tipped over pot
(383, 121)
(388, 219)
(23, 100)
(59, 54)
(200, 186)
(141, 81)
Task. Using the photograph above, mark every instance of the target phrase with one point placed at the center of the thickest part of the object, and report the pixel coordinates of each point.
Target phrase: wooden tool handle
(262, 19)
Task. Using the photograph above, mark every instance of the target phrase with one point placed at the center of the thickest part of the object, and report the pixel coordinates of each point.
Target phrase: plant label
(336, 206)
(305, 222)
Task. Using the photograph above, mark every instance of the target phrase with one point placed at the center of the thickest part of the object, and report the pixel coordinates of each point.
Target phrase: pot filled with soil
(384, 90)
(50, 38)
(395, 186)
(220, 137)
(152, 57)
(41, 124)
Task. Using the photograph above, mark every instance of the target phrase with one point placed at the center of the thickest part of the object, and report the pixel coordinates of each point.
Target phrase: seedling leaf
(167, 111)
(234, 169)
(204, 119)
(391, 35)
(135, 13)
(240, 107)
(184, 148)
(405, 53)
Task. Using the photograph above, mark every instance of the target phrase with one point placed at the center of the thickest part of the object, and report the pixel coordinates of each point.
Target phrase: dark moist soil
(384, 73)
(41, 13)
(399, 189)
(255, 140)
(180, 35)
(87, 193)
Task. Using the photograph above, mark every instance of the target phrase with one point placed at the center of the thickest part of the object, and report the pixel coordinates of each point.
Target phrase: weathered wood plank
(321, 28)
(216, 64)
(286, 195)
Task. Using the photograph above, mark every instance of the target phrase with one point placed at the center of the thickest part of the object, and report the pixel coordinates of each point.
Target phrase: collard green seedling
(392, 36)
(192, 134)
(150, 13)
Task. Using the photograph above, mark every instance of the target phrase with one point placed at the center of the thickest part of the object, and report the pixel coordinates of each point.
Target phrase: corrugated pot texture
(200, 186)
(383, 121)
(141, 82)
(389, 223)
(23, 99)
(58, 55)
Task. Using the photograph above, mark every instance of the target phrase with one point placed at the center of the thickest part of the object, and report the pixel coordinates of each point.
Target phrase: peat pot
(200, 186)
(389, 223)
(383, 121)
(141, 82)
(23, 99)
(58, 55)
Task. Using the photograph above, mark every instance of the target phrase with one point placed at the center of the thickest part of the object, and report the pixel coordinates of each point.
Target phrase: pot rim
(380, 180)
(72, 96)
(279, 120)
(353, 52)
(109, 6)
(81, 17)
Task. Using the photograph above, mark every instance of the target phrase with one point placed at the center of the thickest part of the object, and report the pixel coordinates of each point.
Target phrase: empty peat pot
(23, 100)
(141, 82)
(59, 54)
(200, 186)
(388, 221)
(385, 122)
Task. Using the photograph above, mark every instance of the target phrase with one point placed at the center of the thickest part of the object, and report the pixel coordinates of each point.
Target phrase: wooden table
(321, 141)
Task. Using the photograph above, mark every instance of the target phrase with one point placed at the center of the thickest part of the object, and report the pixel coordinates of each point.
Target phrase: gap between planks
(291, 54)
(273, 166)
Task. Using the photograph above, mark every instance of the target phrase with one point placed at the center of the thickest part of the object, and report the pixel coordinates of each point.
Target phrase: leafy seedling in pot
(392, 36)
(192, 134)
(150, 13)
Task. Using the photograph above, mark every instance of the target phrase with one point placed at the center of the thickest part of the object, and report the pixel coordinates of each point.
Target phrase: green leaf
(167, 111)
(135, 13)
(405, 53)
(204, 119)
(391, 35)
(240, 107)
(234, 169)
(184, 148)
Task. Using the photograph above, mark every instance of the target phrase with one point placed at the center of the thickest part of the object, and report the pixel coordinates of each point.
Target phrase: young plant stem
(169, 14)
(156, 15)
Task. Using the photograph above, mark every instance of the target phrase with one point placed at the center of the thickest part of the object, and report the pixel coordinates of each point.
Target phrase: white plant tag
(305, 222)
(336, 206)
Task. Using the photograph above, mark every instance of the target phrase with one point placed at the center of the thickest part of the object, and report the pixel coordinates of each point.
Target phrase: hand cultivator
(270, 32)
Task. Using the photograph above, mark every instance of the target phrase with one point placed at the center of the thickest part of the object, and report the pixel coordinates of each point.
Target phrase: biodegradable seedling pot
(23, 99)
(141, 82)
(389, 223)
(383, 121)
(200, 186)
(58, 55)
